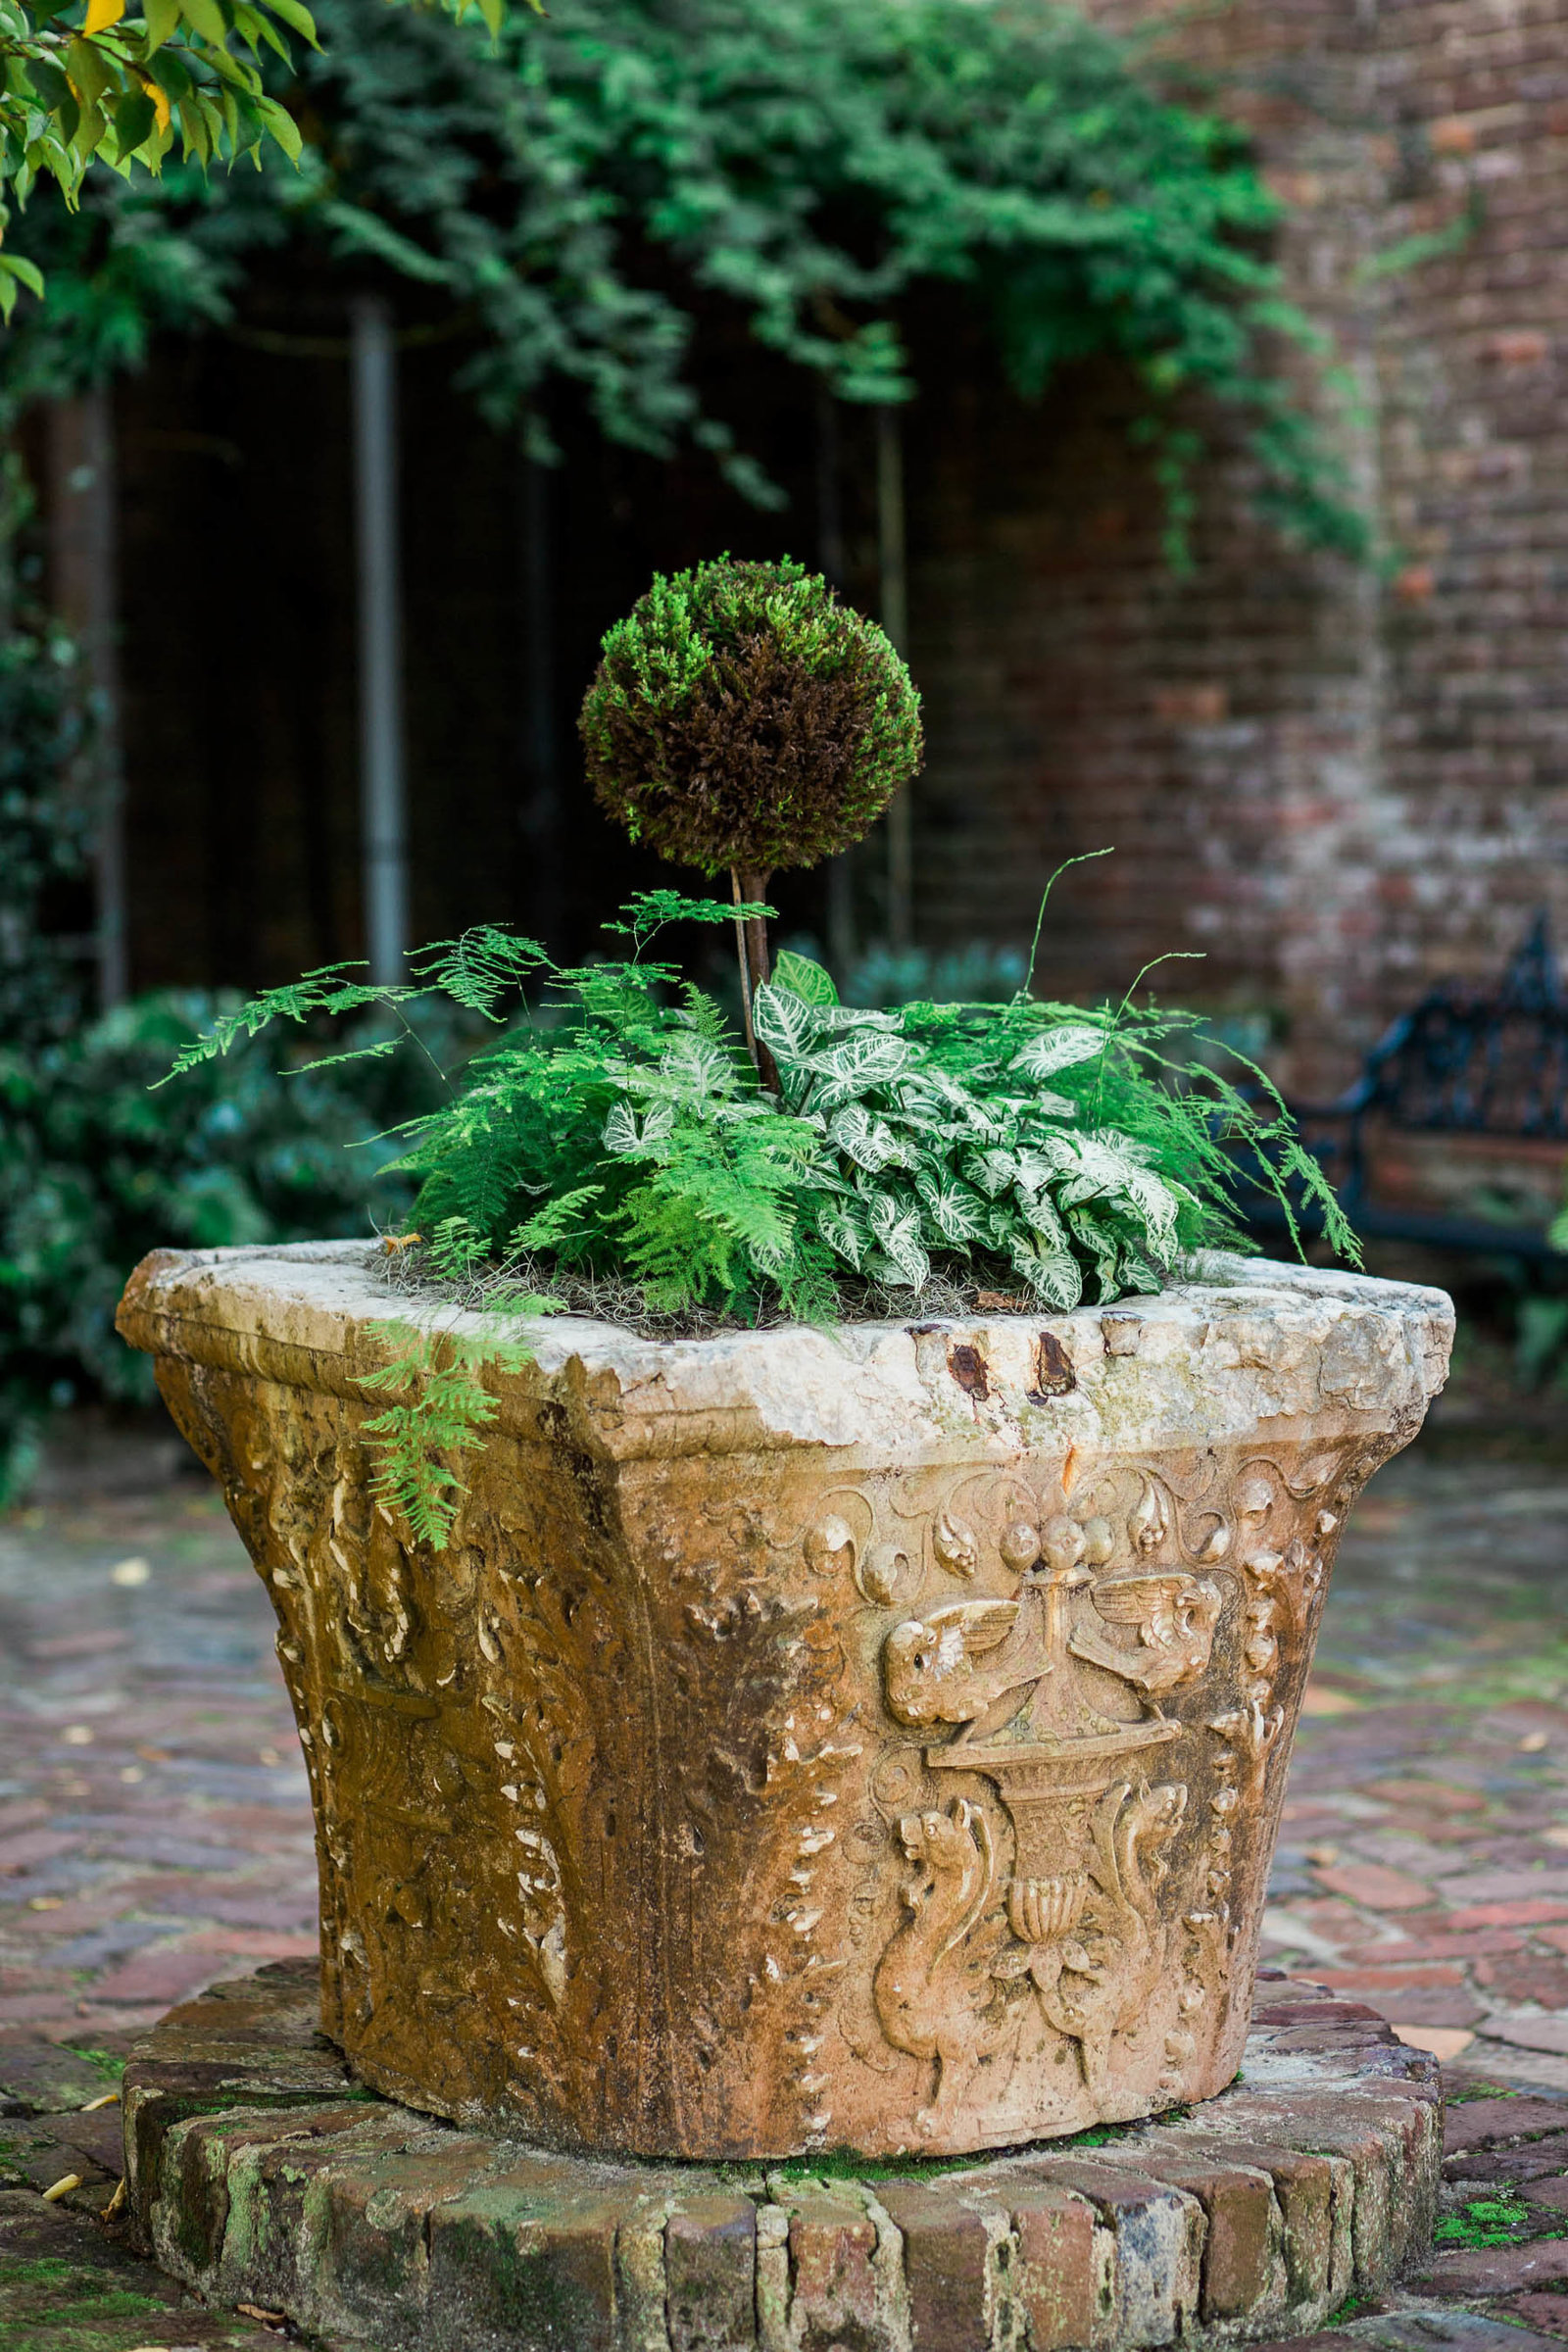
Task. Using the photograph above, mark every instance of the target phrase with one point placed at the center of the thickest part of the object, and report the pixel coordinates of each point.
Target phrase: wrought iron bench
(1455, 1134)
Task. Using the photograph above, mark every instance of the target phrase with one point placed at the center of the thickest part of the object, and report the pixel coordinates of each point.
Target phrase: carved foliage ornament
(1088, 1764)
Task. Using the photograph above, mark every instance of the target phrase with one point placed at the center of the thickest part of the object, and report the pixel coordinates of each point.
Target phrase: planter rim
(1243, 1329)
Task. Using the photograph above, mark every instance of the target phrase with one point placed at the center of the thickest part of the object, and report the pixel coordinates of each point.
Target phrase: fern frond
(318, 991)
(439, 1411)
(479, 968)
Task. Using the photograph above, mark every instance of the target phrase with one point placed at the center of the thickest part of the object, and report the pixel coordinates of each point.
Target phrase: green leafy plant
(126, 89)
(123, 89)
(614, 1150)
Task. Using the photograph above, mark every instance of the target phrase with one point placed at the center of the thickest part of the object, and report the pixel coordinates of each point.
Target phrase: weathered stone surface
(946, 2263)
(1482, 2123)
(1055, 2276)
(808, 1740)
(710, 2272)
(836, 2293)
(370, 2224)
(1242, 2258)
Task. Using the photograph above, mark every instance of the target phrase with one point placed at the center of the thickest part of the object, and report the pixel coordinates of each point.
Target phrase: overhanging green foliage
(128, 88)
(608, 181)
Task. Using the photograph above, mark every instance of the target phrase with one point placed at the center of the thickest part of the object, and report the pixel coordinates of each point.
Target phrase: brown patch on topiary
(743, 718)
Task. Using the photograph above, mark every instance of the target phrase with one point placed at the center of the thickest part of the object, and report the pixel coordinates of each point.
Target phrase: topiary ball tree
(742, 717)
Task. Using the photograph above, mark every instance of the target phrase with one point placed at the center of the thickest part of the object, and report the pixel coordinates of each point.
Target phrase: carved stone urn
(869, 1739)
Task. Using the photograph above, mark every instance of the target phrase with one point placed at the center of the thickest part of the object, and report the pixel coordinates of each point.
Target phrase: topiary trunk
(748, 885)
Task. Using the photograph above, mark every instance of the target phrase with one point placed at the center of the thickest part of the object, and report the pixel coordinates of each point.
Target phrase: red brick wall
(1337, 785)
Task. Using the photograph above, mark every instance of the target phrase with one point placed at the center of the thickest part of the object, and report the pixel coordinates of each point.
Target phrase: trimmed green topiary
(743, 718)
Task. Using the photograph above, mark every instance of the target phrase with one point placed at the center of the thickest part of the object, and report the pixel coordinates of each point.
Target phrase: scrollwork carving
(1107, 1620)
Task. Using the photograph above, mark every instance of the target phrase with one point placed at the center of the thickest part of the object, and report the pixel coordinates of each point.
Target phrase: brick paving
(155, 1831)
(1423, 1862)
(154, 1815)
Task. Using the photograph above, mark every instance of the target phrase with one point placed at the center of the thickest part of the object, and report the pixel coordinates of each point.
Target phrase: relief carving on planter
(1037, 1908)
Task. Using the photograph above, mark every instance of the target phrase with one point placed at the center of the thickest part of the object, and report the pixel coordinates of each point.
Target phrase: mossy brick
(1303, 2190)
(369, 2226)
(38, 2078)
(1157, 2272)
(1376, 2156)
(1055, 2278)
(158, 2098)
(711, 2274)
(947, 2257)
(274, 2169)
(1241, 2270)
(189, 2206)
(523, 2260)
(834, 2290)
(1411, 2116)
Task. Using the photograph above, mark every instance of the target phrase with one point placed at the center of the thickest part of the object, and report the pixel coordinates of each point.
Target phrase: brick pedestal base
(261, 2172)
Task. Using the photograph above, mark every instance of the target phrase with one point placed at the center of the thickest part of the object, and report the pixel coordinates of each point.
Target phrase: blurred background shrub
(96, 1169)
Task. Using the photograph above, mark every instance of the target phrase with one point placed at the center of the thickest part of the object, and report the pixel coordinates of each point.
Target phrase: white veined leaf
(862, 1059)
(1059, 1049)
(698, 1066)
(1087, 1167)
(957, 1212)
(1053, 1275)
(992, 1172)
(831, 1017)
(1115, 1171)
(897, 1229)
(1043, 1222)
(794, 1026)
(842, 1234)
(811, 982)
(621, 1130)
(866, 1140)
(1102, 1247)
(1038, 1167)
(1001, 1225)
(627, 1139)
(783, 1021)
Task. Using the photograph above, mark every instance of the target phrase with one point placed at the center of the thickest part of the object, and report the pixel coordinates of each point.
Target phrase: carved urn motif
(868, 1739)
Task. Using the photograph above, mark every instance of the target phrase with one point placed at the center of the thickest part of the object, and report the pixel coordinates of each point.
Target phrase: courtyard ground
(155, 1835)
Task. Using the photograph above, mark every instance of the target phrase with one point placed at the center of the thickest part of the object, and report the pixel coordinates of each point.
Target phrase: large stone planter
(869, 1739)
